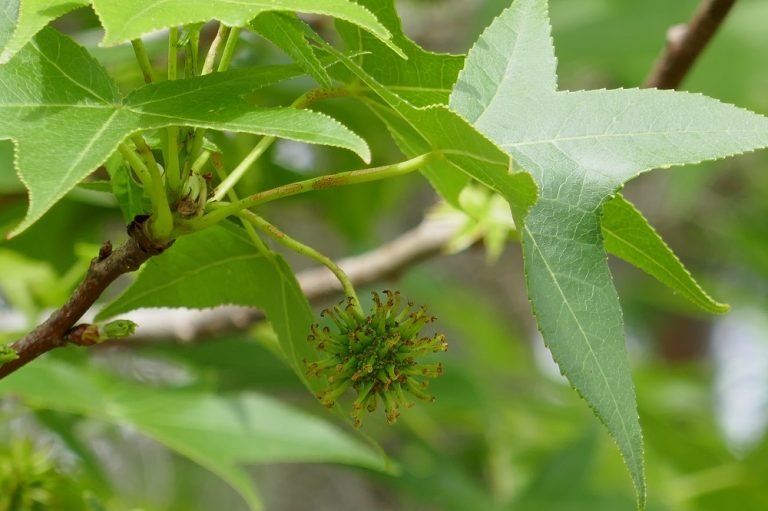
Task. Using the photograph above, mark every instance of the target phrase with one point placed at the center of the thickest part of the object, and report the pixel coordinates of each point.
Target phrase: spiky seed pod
(375, 355)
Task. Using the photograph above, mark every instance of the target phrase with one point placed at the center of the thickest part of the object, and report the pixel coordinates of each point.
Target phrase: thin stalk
(219, 168)
(171, 150)
(149, 158)
(231, 180)
(210, 58)
(194, 49)
(302, 101)
(134, 161)
(173, 52)
(201, 161)
(351, 177)
(229, 49)
(143, 59)
(161, 224)
(171, 156)
(305, 250)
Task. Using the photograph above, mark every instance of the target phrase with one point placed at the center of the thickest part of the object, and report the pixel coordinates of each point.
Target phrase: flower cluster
(375, 355)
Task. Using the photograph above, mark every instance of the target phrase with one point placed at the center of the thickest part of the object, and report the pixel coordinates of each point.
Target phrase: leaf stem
(172, 173)
(231, 180)
(161, 225)
(219, 167)
(302, 101)
(143, 59)
(295, 245)
(173, 52)
(208, 65)
(210, 58)
(171, 150)
(229, 49)
(351, 177)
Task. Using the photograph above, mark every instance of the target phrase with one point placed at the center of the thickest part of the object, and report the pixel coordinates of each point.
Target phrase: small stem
(161, 224)
(171, 150)
(305, 250)
(219, 167)
(302, 101)
(231, 180)
(229, 49)
(143, 59)
(351, 177)
(173, 52)
(172, 174)
(137, 165)
(210, 58)
(193, 48)
(149, 158)
(201, 161)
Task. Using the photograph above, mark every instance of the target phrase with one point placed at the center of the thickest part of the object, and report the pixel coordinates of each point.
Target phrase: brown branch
(56, 331)
(686, 42)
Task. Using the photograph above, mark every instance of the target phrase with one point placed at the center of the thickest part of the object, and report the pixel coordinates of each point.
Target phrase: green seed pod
(375, 355)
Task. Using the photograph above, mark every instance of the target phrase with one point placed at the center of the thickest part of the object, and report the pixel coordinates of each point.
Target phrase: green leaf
(628, 235)
(9, 14)
(20, 21)
(420, 130)
(218, 432)
(54, 85)
(124, 21)
(581, 147)
(129, 194)
(424, 79)
(288, 33)
(190, 274)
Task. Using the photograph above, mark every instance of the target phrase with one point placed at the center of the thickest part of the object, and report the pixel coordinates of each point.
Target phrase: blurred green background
(506, 432)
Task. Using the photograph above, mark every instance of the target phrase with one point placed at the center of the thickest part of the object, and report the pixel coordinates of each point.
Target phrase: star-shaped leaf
(66, 116)
(581, 147)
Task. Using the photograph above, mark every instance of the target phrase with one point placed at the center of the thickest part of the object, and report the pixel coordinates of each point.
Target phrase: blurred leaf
(218, 432)
(628, 235)
(28, 285)
(53, 84)
(30, 481)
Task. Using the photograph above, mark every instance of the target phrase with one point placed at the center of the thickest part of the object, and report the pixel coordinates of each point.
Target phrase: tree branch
(686, 42)
(104, 269)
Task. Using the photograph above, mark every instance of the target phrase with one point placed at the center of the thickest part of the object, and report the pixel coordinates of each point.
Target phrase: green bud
(117, 329)
(7, 354)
